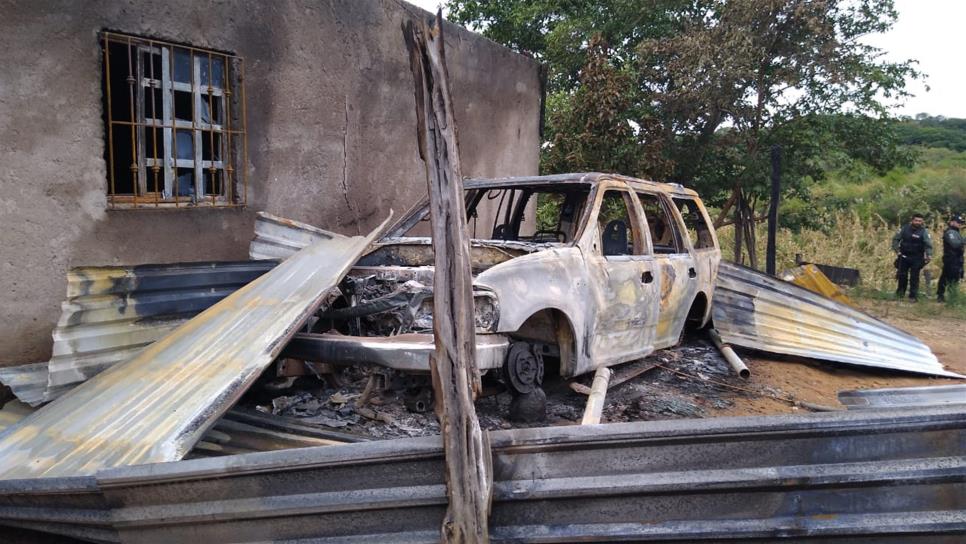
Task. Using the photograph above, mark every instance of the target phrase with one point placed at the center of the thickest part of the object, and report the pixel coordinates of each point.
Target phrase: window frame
(681, 244)
(211, 99)
(699, 213)
(642, 247)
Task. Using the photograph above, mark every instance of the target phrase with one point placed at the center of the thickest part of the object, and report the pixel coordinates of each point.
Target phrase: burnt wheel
(523, 374)
(523, 370)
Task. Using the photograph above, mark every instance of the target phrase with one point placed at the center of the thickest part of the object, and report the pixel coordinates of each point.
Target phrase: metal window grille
(175, 118)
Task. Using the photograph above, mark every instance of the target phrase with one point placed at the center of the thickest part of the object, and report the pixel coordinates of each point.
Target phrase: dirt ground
(820, 383)
(691, 380)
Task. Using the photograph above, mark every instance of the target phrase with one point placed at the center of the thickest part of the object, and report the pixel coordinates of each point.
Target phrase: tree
(713, 84)
(590, 129)
(935, 131)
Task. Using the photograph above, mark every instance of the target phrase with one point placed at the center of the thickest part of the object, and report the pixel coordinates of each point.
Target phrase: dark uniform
(952, 257)
(914, 248)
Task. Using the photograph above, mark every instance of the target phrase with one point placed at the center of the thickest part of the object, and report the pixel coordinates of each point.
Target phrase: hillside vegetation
(848, 219)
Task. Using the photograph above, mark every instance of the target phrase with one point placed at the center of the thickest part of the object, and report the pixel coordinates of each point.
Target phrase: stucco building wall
(328, 92)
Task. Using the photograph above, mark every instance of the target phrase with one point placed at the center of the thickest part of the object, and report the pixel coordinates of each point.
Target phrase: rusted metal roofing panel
(113, 312)
(154, 407)
(756, 311)
(937, 395)
(278, 238)
(865, 476)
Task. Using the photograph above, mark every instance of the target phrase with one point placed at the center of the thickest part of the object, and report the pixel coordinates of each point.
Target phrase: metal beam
(868, 476)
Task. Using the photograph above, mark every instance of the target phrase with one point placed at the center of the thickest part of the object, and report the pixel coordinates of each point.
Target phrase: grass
(885, 305)
(865, 245)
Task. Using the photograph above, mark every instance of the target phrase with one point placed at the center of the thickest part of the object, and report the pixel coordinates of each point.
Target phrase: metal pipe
(729, 354)
(595, 401)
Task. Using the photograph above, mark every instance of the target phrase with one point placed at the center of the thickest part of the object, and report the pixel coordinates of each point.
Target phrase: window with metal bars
(175, 123)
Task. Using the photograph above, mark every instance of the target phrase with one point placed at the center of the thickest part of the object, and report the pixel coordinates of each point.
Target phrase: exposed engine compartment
(390, 290)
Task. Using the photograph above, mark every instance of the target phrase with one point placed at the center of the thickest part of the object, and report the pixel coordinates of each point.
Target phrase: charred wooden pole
(739, 227)
(456, 380)
(776, 184)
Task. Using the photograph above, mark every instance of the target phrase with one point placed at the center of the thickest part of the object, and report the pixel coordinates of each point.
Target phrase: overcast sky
(930, 31)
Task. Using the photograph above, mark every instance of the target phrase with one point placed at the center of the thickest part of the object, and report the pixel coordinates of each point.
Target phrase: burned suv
(571, 272)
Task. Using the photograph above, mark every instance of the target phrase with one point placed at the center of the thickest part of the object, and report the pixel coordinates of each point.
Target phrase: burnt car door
(704, 243)
(674, 264)
(622, 279)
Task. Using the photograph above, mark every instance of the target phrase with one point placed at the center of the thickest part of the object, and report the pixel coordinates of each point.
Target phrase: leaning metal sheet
(112, 312)
(154, 407)
(279, 238)
(756, 311)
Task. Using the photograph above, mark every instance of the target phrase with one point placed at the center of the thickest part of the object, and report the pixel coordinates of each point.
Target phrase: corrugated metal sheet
(278, 238)
(889, 476)
(12, 412)
(29, 382)
(154, 407)
(756, 311)
(113, 312)
(238, 431)
(937, 395)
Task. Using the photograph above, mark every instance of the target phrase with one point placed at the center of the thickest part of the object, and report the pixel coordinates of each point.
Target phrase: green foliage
(929, 131)
(589, 128)
(559, 32)
(548, 210)
(935, 187)
(698, 91)
(955, 296)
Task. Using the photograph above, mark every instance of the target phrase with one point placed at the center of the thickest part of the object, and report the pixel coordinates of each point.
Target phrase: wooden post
(456, 380)
(776, 185)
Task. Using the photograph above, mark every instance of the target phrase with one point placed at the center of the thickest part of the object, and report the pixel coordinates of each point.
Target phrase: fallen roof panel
(757, 311)
(28, 382)
(113, 312)
(278, 237)
(155, 407)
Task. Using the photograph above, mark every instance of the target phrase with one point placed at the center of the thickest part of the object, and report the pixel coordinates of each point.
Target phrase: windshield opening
(546, 214)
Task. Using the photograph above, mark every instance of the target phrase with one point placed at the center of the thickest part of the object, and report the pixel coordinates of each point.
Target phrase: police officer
(952, 256)
(913, 250)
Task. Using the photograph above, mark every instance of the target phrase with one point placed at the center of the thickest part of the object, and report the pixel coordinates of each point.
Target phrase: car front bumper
(406, 352)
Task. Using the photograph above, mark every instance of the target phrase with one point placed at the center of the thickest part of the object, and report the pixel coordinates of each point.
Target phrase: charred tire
(523, 374)
(530, 407)
(523, 369)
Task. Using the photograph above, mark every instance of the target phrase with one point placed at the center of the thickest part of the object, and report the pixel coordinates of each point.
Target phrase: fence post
(776, 185)
(456, 380)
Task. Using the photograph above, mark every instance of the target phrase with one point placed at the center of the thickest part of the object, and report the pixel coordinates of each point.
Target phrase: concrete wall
(328, 87)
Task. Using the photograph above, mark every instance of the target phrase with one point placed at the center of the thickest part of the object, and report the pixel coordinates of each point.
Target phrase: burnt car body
(584, 270)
